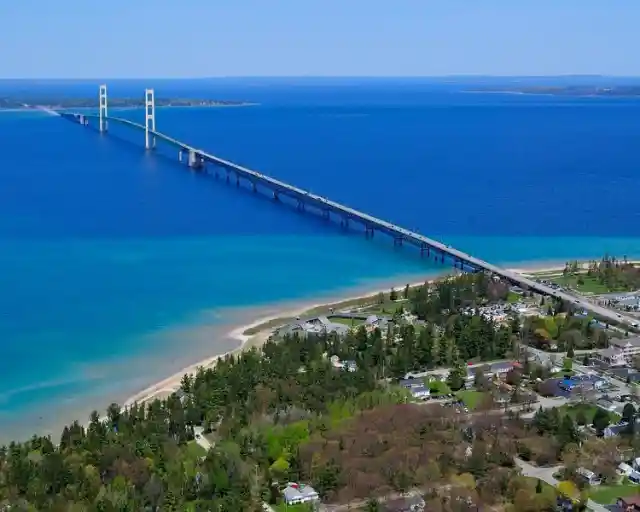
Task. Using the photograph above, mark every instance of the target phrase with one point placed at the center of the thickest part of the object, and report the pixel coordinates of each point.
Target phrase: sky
(210, 38)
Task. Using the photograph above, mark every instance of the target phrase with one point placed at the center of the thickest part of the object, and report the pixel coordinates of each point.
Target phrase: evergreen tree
(457, 376)
(601, 420)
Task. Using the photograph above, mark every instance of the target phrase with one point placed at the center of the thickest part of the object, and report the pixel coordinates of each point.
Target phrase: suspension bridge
(199, 160)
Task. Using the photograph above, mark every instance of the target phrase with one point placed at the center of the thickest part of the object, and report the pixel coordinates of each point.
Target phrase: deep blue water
(108, 254)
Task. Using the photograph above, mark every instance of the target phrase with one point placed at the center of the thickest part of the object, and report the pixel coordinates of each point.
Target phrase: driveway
(201, 440)
(546, 475)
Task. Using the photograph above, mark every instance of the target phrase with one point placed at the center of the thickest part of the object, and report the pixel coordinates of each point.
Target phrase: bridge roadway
(371, 223)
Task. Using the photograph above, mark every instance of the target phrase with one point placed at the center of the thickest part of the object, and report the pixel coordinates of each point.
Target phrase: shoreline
(257, 332)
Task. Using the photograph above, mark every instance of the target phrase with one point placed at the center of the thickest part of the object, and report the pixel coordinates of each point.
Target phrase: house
(317, 326)
(501, 369)
(295, 493)
(623, 349)
(624, 469)
(416, 387)
(407, 504)
(373, 321)
(626, 374)
(612, 357)
(589, 476)
(616, 430)
(629, 504)
(605, 404)
(350, 366)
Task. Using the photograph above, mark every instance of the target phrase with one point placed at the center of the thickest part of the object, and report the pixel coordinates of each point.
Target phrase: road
(201, 440)
(546, 475)
(356, 504)
(386, 227)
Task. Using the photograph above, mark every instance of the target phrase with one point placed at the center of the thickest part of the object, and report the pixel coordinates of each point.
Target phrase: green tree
(629, 412)
(373, 505)
(538, 486)
(581, 417)
(601, 420)
(456, 377)
(567, 432)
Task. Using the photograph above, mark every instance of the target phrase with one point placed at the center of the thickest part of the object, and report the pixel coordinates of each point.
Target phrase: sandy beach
(256, 333)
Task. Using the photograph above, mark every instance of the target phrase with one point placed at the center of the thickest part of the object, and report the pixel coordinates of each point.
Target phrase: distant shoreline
(132, 107)
(20, 105)
(568, 92)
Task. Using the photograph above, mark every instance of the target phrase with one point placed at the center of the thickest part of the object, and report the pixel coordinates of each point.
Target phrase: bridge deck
(372, 222)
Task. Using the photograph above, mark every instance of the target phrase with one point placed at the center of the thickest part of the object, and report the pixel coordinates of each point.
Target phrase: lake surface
(119, 267)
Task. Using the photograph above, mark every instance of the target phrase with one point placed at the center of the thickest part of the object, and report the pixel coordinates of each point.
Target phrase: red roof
(631, 500)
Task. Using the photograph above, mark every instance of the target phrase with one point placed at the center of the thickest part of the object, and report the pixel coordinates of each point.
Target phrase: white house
(613, 357)
(624, 469)
(295, 493)
(589, 476)
(621, 351)
(416, 387)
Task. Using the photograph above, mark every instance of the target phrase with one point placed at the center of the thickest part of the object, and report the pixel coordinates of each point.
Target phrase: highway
(387, 227)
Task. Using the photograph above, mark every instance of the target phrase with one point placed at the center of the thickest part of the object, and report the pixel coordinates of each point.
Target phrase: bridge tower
(149, 119)
(103, 108)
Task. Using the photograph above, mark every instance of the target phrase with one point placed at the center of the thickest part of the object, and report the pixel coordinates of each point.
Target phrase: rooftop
(631, 500)
(299, 493)
(625, 342)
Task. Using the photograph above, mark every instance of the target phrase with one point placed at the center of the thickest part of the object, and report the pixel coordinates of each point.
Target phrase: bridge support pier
(237, 180)
(326, 214)
(301, 206)
(103, 108)
(424, 248)
(180, 156)
(276, 197)
(397, 241)
(195, 160)
(368, 231)
(150, 119)
(345, 222)
(254, 186)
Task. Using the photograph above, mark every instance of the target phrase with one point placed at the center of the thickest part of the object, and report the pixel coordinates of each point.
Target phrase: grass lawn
(438, 387)
(589, 285)
(561, 374)
(513, 297)
(607, 494)
(194, 450)
(533, 482)
(470, 397)
(589, 411)
(351, 322)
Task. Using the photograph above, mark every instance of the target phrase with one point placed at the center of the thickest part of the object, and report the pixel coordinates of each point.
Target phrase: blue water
(114, 263)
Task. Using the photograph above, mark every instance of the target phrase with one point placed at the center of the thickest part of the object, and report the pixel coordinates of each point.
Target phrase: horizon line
(315, 77)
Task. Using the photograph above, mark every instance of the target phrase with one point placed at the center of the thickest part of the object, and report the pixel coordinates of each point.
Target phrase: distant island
(55, 103)
(566, 90)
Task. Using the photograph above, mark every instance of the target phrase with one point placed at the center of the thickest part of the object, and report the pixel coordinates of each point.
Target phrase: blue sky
(196, 38)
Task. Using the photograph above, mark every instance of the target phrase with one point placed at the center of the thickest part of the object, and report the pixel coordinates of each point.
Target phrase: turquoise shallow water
(118, 267)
